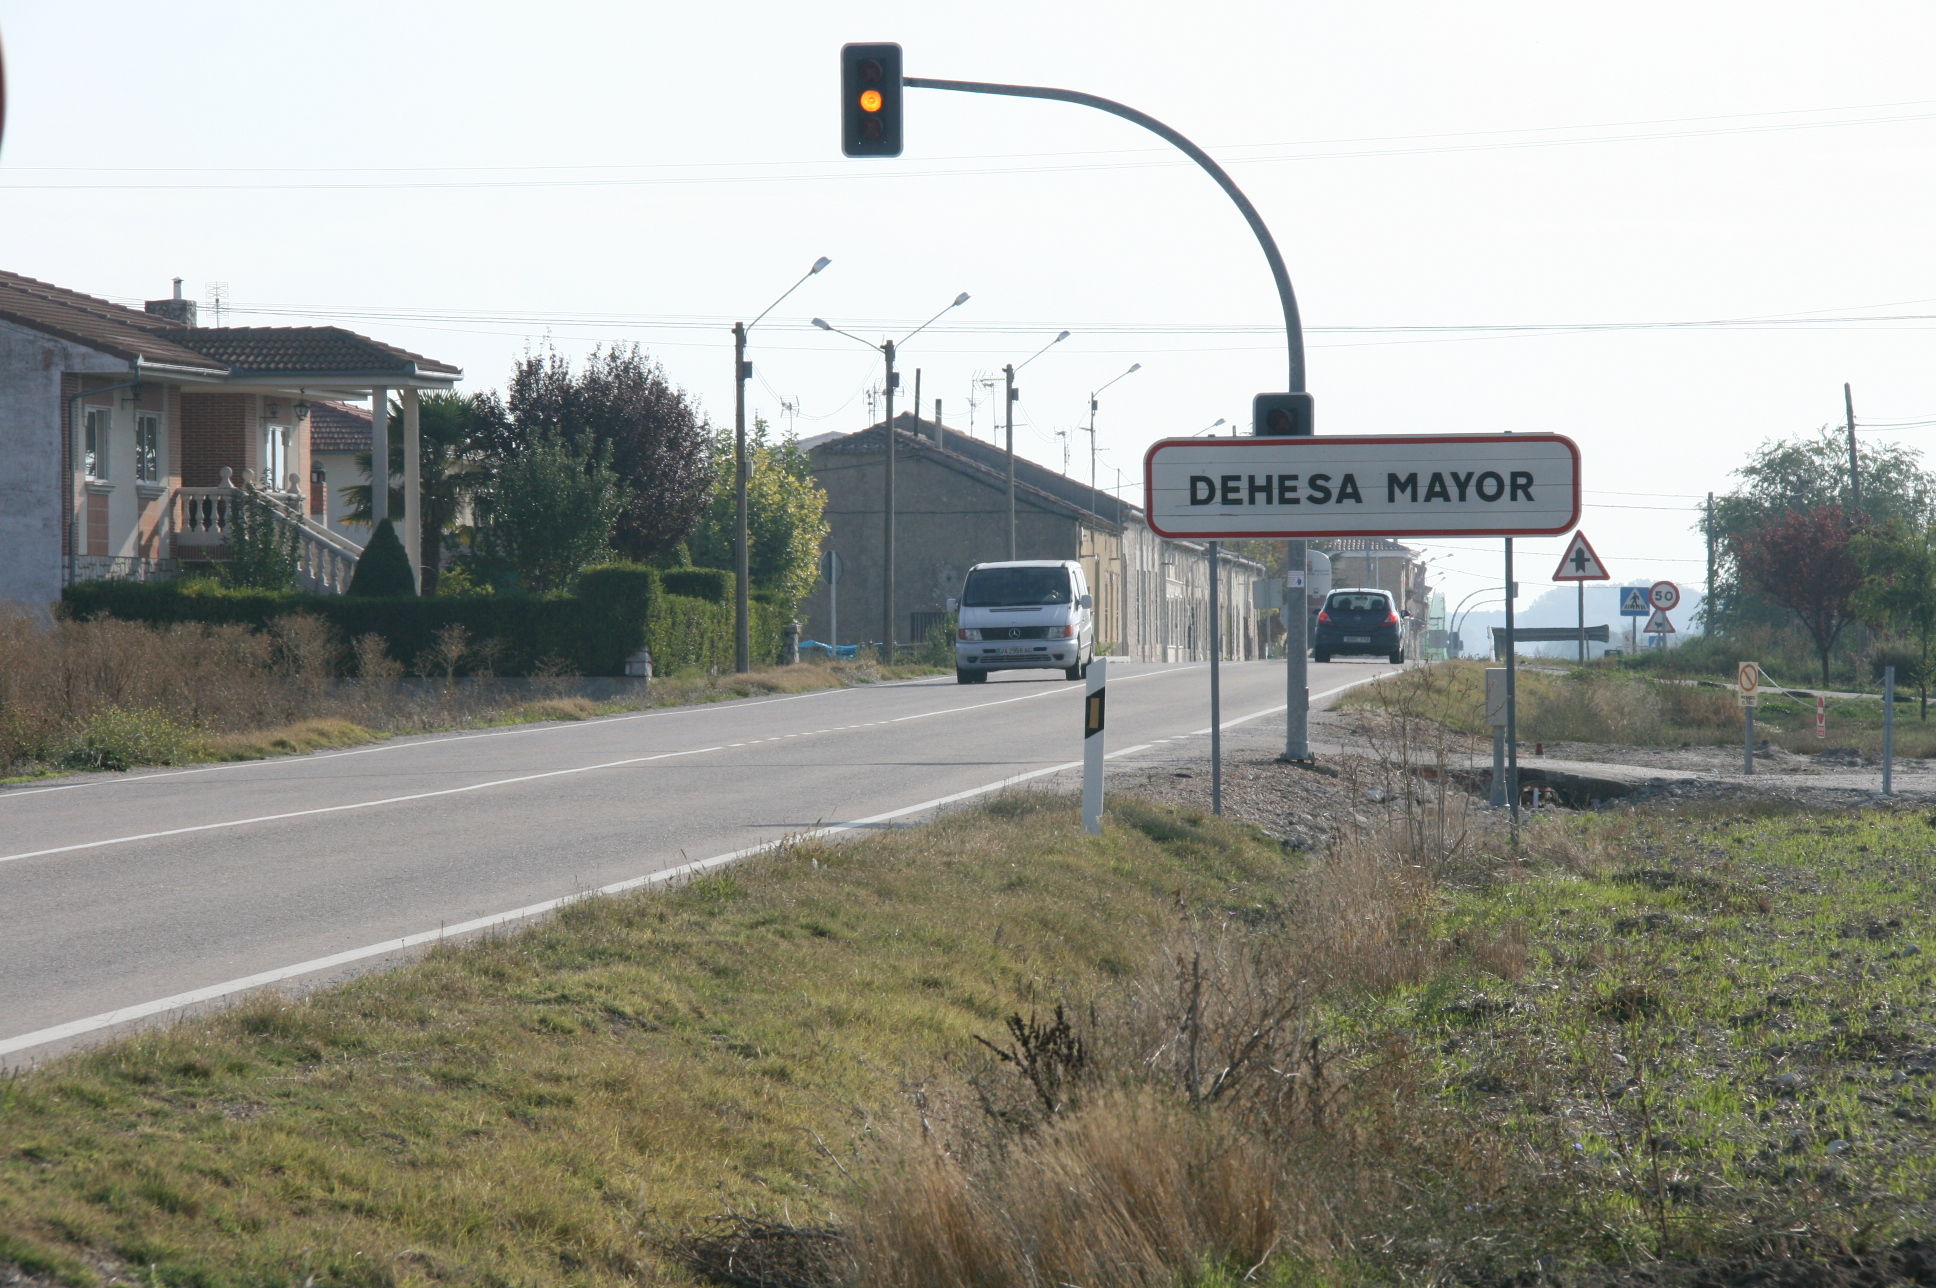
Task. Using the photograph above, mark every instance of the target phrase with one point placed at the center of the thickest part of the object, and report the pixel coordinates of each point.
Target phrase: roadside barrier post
(1092, 712)
(1888, 728)
(1747, 685)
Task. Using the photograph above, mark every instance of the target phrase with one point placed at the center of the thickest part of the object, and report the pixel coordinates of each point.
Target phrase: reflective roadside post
(1092, 721)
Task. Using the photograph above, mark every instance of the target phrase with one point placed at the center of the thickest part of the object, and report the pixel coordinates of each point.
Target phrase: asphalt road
(129, 897)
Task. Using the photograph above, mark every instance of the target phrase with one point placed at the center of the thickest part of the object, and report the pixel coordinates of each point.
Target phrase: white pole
(1092, 720)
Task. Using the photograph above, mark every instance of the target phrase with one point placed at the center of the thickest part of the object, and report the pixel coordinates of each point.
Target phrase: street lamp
(742, 369)
(887, 348)
(1008, 382)
(1458, 620)
(1134, 367)
(1207, 428)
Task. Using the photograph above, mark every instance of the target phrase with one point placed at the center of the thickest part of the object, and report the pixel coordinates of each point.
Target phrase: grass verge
(993, 1052)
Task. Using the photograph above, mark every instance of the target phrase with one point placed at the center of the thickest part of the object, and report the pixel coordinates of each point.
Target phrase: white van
(1029, 613)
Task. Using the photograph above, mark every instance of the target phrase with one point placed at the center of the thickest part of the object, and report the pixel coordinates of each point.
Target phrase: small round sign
(1664, 595)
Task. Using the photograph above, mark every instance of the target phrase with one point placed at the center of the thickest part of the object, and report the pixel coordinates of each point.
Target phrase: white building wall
(31, 481)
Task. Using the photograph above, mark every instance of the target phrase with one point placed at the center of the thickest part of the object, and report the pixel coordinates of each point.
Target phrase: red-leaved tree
(1803, 560)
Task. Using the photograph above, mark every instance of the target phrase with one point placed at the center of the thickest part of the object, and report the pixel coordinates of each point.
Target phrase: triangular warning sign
(1658, 624)
(1579, 563)
(1633, 602)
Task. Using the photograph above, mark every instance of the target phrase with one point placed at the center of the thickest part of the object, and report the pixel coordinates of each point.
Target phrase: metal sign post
(1092, 721)
(1580, 565)
(1888, 729)
(1216, 669)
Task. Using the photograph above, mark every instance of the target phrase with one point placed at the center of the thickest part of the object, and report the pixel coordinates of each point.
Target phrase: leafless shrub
(755, 1252)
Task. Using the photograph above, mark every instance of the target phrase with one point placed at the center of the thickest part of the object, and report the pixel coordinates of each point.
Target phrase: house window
(94, 448)
(275, 457)
(147, 447)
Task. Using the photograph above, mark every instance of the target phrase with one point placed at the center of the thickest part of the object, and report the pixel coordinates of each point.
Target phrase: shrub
(714, 585)
(264, 549)
(615, 602)
(384, 568)
(121, 737)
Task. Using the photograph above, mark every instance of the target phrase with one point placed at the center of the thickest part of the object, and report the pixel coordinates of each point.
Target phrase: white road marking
(214, 992)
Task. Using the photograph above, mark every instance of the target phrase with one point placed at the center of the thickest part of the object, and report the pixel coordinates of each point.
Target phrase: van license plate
(1019, 648)
(1357, 639)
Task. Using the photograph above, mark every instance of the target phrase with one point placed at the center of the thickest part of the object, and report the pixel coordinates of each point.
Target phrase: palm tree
(456, 433)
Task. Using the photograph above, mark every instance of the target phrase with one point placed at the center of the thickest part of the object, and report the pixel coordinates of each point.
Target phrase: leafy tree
(1805, 561)
(1898, 591)
(548, 512)
(1805, 473)
(658, 443)
(264, 549)
(785, 516)
(384, 566)
(459, 436)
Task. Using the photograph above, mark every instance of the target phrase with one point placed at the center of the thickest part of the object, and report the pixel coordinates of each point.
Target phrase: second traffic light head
(870, 100)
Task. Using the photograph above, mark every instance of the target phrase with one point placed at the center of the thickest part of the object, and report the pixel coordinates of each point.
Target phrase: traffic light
(1282, 415)
(870, 100)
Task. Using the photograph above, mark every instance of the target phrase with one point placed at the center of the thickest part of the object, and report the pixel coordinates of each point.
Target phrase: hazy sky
(1669, 230)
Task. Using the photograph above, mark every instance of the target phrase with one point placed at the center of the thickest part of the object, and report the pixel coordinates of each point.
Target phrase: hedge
(616, 608)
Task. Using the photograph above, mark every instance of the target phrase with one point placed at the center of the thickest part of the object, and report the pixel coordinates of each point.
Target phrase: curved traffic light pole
(1293, 328)
(1297, 745)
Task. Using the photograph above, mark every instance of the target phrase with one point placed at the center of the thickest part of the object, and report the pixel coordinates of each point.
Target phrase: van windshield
(1015, 587)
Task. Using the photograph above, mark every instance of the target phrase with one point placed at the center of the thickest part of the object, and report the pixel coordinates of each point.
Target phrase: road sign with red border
(1400, 485)
(1664, 595)
(1658, 624)
(1579, 563)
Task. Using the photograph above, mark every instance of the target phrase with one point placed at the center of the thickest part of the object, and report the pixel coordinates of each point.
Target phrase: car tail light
(1391, 619)
(1324, 618)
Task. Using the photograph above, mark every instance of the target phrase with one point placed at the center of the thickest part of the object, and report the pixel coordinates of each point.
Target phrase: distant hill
(1559, 607)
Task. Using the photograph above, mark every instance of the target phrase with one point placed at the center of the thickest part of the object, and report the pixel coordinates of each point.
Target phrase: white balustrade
(325, 560)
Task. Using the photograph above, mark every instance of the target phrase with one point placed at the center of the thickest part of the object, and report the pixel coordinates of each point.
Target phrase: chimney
(940, 434)
(177, 310)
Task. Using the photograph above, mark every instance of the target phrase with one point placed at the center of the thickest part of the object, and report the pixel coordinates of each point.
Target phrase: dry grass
(113, 694)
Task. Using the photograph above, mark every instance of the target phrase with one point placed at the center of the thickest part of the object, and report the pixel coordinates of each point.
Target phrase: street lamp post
(1207, 428)
(1134, 367)
(1008, 403)
(887, 348)
(742, 563)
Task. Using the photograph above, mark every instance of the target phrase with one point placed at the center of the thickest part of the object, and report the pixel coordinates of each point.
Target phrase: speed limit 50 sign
(1664, 595)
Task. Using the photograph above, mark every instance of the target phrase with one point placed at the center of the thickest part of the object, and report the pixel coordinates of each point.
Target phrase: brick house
(125, 434)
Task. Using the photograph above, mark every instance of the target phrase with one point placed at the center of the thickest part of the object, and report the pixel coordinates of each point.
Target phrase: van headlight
(968, 634)
(1060, 632)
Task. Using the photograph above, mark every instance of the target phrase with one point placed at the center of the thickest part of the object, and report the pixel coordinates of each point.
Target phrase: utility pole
(1008, 402)
(1855, 478)
(1706, 616)
(742, 565)
(887, 548)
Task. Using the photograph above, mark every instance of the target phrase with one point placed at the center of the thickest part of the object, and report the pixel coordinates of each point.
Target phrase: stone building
(951, 512)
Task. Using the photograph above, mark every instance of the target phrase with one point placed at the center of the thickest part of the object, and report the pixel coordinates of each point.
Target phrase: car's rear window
(1349, 603)
(1015, 587)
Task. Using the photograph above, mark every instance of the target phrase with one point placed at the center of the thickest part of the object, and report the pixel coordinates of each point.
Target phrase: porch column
(379, 456)
(412, 489)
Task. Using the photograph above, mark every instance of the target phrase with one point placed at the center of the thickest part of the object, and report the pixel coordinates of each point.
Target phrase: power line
(1034, 163)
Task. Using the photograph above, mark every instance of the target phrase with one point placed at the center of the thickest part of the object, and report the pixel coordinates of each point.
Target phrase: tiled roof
(235, 351)
(97, 324)
(338, 427)
(296, 350)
